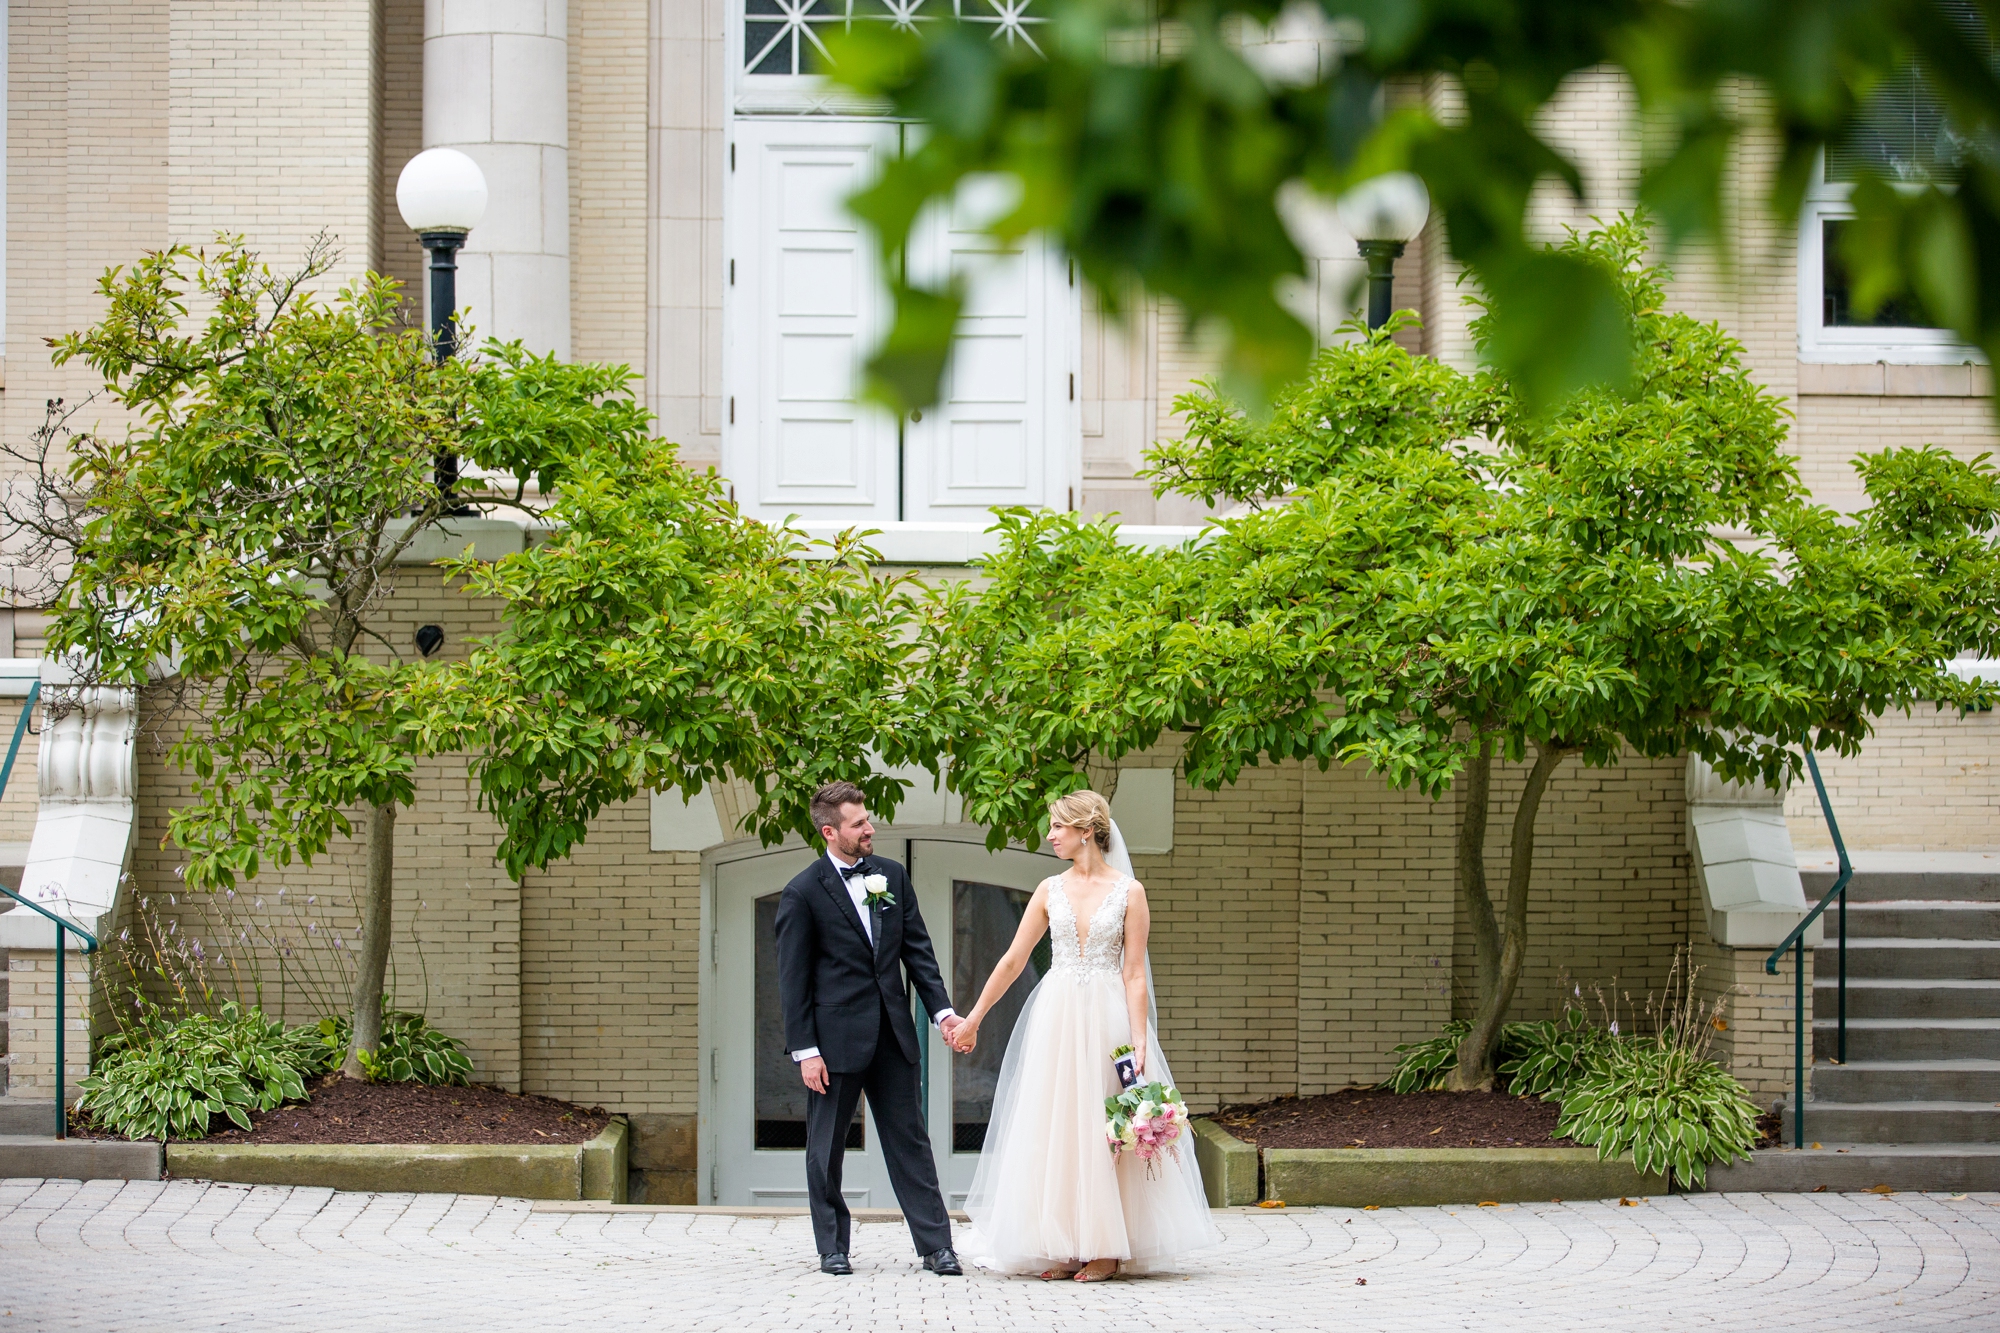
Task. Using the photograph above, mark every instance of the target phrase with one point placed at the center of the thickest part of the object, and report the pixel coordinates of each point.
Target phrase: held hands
(961, 1034)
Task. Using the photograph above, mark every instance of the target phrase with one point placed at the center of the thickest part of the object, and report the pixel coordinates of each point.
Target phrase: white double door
(804, 305)
(972, 901)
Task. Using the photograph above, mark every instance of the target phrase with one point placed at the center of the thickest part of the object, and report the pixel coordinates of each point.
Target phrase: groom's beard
(853, 849)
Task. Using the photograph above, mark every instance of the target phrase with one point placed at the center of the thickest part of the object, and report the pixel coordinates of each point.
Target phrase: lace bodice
(1102, 951)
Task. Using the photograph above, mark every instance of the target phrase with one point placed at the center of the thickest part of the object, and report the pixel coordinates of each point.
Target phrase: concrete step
(1920, 960)
(1921, 919)
(1887, 997)
(1902, 1039)
(22, 1115)
(79, 1159)
(1957, 1167)
(1907, 1080)
(1898, 1122)
(1887, 876)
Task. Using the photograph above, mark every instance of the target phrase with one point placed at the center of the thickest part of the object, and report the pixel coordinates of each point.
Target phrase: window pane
(1837, 309)
(984, 918)
(1902, 133)
(780, 1094)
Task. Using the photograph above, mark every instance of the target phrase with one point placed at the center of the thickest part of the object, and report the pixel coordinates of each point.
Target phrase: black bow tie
(849, 872)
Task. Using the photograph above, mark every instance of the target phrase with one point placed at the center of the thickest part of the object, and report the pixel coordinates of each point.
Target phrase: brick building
(664, 179)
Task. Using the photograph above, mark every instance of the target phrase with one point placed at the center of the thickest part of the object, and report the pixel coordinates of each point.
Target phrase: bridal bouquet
(1146, 1118)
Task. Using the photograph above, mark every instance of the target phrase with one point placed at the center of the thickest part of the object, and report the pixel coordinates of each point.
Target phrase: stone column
(496, 87)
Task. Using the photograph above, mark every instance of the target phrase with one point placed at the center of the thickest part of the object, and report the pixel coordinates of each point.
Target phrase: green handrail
(89, 940)
(89, 946)
(1796, 943)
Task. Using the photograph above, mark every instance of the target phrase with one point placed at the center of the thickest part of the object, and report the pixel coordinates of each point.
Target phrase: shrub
(1672, 1108)
(1421, 1066)
(1544, 1059)
(411, 1050)
(161, 1078)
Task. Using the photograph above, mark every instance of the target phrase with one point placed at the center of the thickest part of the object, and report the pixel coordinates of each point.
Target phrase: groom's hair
(826, 803)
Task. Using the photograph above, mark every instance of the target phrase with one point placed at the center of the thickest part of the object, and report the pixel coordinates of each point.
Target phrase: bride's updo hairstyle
(1085, 809)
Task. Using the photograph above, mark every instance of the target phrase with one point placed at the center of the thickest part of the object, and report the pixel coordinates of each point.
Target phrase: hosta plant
(411, 1051)
(1545, 1059)
(162, 1078)
(1423, 1066)
(1672, 1109)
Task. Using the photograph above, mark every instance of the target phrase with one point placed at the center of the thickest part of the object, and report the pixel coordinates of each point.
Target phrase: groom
(845, 924)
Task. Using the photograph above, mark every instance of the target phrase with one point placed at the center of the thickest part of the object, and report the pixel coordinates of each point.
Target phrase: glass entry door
(972, 902)
(986, 893)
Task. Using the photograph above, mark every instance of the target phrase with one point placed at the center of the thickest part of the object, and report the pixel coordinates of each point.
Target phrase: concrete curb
(509, 1170)
(1228, 1165)
(1407, 1177)
(46, 1157)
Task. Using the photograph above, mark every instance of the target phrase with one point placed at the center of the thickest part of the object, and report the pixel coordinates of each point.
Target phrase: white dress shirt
(858, 896)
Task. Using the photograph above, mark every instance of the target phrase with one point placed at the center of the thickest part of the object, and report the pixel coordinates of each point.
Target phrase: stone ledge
(47, 1158)
(1228, 1165)
(510, 1170)
(1407, 1177)
(1878, 379)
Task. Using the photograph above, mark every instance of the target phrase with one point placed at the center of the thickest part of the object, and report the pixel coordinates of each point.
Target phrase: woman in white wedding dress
(1048, 1195)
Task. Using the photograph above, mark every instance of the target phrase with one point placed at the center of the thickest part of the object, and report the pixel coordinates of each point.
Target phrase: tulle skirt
(1047, 1190)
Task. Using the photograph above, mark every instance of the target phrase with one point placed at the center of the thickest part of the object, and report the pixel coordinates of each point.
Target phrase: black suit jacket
(832, 986)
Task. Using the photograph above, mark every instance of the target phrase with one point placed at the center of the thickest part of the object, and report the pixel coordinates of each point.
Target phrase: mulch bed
(343, 1110)
(1374, 1118)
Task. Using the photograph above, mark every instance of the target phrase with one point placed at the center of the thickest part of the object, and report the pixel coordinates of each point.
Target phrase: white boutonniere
(875, 891)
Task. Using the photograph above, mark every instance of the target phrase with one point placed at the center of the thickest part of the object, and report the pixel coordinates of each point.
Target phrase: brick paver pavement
(177, 1255)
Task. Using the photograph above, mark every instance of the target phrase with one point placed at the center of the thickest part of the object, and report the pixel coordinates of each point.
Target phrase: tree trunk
(1473, 898)
(373, 964)
(1474, 1070)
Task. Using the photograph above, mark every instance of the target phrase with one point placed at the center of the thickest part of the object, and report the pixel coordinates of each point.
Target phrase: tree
(660, 641)
(1154, 151)
(1424, 575)
(230, 550)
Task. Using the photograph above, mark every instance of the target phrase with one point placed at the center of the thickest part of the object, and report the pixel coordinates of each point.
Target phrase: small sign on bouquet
(1146, 1118)
(1127, 1064)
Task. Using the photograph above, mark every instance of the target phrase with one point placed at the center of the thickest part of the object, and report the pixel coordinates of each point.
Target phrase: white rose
(874, 884)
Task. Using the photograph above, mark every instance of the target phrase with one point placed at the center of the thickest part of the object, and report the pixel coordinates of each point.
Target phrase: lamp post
(1384, 214)
(442, 195)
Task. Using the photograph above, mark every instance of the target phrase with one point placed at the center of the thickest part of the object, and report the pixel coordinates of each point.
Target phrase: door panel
(804, 304)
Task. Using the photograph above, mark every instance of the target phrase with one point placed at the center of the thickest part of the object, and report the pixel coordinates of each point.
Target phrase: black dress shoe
(837, 1265)
(944, 1263)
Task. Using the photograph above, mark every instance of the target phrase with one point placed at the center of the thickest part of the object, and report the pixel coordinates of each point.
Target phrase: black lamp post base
(1381, 257)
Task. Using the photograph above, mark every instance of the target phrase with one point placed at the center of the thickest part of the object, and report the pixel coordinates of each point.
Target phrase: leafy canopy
(1153, 149)
(1422, 566)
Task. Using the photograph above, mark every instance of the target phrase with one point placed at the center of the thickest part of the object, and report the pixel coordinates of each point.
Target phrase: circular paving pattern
(106, 1256)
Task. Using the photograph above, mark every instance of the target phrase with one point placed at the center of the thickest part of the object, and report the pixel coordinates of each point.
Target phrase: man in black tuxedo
(842, 955)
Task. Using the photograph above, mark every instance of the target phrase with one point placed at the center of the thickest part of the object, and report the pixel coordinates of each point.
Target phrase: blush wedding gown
(1047, 1190)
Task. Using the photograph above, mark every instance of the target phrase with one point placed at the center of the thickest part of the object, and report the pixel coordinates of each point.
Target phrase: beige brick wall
(399, 77)
(31, 1023)
(1926, 781)
(1608, 902)
(684, 118)
(608, 66)
(610, 971)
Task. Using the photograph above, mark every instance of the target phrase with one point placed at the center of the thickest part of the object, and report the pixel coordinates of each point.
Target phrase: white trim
(1829, 201)
(968, 543)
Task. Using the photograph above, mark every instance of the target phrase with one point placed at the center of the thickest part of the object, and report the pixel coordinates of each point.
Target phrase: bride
(1048, 1195)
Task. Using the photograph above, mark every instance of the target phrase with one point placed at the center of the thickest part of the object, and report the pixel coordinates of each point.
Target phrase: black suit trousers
(893, 1089)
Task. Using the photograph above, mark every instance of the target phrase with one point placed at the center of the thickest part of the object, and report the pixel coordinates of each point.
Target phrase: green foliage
(411, 1051)
(1421, 1066)
(657, 640)
(1547, 1058)
(1151, 146)
(161, 1078)
(1671, 1108)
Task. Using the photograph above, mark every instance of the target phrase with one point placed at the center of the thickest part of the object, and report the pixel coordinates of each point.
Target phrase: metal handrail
(90, 944)
(1796, 943)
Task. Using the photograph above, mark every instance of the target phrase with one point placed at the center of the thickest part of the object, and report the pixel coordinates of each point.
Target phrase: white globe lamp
(1384, 214)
